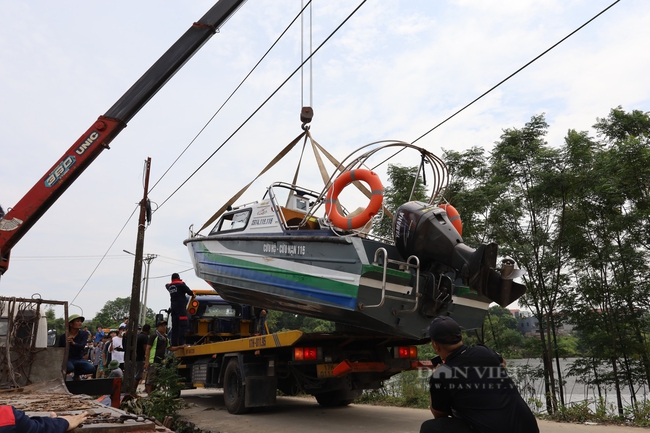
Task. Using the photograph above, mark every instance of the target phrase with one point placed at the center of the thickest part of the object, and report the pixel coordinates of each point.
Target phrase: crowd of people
(102, 354)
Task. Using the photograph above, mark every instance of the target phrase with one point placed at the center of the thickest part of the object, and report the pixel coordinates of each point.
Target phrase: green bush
(165, 399)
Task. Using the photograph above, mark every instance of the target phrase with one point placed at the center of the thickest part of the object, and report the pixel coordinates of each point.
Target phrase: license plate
(325, 370)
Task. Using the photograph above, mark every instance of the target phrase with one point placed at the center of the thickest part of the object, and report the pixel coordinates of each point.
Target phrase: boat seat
(294, 217)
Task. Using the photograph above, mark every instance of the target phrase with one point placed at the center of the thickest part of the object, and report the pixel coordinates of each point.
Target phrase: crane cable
(262, 105)
(231, 95)
(302, 54)
(212, 118)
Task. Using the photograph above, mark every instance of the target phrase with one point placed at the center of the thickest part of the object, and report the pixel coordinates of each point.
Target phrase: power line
(230, 96)
(117, 256)
(262, 104)
(516, 72)
(106, 253)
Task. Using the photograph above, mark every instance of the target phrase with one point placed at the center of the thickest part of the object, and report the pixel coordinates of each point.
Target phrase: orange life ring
(370, 211)
(453, 216)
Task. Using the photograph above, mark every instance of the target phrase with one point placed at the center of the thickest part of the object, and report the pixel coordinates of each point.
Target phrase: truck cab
(214, 319)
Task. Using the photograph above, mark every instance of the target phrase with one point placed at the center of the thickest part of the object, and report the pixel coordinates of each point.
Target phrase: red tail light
(410, 352)
(305, 353)
(194, 307)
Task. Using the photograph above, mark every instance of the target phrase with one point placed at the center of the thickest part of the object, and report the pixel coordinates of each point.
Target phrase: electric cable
(106, 253)
(302, 52)
(193, 140)
(517, 71)
(502, 81)
(230, 96)
(261, 105)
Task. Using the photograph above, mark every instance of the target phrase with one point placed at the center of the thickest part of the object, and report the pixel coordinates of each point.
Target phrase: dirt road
(292, 414)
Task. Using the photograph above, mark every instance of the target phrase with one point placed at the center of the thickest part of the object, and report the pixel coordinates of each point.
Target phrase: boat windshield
(232, 221)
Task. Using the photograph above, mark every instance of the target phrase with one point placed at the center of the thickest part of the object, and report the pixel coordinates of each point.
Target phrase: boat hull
(327, 277)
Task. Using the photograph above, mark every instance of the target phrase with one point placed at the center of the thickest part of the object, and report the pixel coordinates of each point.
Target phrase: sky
(395, 70)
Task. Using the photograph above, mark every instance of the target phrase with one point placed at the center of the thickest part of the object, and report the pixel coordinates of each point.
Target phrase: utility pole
(147, 259)
(134, 312)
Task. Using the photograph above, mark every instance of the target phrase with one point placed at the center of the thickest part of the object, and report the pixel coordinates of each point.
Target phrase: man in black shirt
(140, 348)
(470, 388)
(180, 322)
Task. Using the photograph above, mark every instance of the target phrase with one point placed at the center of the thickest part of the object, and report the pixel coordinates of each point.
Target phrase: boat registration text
(283, 248)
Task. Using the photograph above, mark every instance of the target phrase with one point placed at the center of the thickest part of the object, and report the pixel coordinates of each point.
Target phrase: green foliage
(165, 400)
(396, 193)
(639, 415)
(53, 322)
(567, 346)
(580, 412)
(407, 389)
(576, 217)
(501, 332)
(280, 321)
(113, 313)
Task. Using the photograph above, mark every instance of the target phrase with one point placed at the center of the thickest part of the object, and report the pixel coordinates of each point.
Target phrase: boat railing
(412, 262)
(291, 217)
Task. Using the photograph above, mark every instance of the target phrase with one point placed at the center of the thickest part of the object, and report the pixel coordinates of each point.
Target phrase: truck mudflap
(265, 391)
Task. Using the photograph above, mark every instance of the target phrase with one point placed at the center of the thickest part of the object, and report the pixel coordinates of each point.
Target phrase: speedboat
(300, 251)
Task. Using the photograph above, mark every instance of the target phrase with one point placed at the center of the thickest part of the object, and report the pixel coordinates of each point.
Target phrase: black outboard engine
(424, 230)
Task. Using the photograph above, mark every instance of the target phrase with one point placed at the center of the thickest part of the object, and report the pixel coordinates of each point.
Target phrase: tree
(281, 321)
(114, 312)
(608, 223)
(398, 192)
(500, 332)
(470, 192)
(514, 197)
(53, 323)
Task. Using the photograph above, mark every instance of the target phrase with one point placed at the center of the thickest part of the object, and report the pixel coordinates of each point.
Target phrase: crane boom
(21, 217)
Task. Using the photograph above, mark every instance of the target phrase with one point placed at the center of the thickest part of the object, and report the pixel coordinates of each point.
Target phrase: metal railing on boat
(402, 265)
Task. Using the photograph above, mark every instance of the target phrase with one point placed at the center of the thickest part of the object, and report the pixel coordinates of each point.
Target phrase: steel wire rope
(261, 105)
(302, 53)
(504, 80)
(229, 97)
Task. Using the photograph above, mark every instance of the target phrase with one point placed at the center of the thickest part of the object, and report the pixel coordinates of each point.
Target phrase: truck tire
(337, 398)
(233, 389)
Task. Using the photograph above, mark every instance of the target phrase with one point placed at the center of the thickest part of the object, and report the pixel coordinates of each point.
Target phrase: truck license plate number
(325, 370)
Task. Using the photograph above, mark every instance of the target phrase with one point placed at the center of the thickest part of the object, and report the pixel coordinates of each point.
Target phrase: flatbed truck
(335, 367)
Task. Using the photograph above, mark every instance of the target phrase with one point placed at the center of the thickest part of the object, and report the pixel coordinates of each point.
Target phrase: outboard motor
(424, 230)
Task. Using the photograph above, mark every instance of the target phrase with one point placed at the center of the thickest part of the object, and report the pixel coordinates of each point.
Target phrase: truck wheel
(336, 398)
(233, 389)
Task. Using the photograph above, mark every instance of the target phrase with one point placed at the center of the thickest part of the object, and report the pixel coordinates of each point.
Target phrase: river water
(531, 387)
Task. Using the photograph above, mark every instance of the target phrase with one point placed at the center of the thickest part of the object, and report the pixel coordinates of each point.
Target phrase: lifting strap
(234, 198)
(295, 176)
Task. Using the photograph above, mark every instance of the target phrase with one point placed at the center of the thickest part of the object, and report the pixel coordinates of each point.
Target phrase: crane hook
(306, 114)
